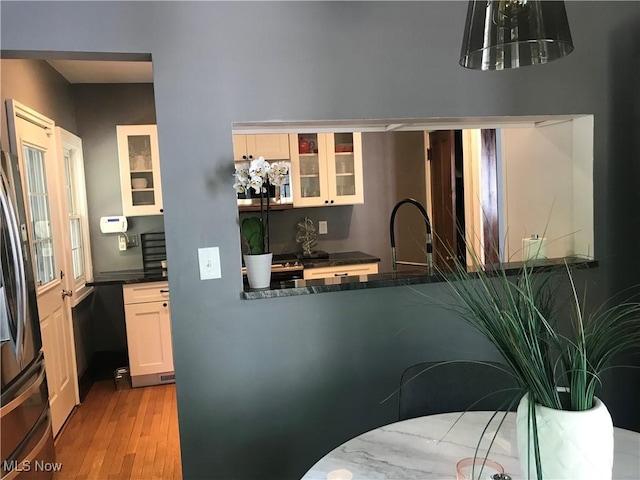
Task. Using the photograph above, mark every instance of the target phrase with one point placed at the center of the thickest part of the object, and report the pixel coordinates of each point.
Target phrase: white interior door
(34, 143)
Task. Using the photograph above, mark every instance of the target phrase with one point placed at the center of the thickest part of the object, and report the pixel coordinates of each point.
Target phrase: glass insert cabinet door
(139, 170)
(309, 167)
(326, 169)
(345, 176)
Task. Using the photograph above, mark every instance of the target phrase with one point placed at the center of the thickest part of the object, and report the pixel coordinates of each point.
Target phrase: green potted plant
(259, 176)
(557, 357)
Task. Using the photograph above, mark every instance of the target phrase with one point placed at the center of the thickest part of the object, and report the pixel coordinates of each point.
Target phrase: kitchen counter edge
(338, 259)
(392, 279)
(126, 277)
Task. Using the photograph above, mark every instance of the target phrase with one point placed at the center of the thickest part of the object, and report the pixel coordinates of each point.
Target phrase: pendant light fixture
(514, 33)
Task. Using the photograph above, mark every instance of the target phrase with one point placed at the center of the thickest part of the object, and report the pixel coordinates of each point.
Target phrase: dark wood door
(489, 189)
(443, 197)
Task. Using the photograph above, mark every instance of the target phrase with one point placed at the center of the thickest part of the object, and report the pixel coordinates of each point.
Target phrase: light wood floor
(123, 434)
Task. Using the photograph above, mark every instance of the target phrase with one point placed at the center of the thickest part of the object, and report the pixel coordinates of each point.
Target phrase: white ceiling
(100, 71)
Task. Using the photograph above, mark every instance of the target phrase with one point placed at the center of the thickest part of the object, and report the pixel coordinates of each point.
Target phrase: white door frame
(16, 111)
(68, 141)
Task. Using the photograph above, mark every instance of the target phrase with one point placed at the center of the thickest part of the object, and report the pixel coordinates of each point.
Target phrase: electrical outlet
(132, 241)
(322, 227)
(122, 243)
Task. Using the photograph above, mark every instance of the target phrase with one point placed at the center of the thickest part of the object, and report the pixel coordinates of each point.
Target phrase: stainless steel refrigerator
(27, 441)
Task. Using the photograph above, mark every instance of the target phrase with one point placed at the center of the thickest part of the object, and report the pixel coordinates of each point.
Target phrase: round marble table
(421, 448)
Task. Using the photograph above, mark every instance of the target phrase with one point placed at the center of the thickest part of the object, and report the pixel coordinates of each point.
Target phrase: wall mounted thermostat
(113, 224)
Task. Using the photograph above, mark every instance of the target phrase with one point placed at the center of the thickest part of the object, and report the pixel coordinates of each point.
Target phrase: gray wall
(91, 111)
(410, 178)
(265, 388)
(37, 85)
(99, 108)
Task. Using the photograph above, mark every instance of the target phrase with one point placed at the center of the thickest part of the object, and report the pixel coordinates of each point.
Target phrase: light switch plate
(209, 261)
(322, 227)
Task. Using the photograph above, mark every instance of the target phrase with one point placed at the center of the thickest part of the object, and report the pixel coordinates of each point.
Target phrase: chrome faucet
(429, 245)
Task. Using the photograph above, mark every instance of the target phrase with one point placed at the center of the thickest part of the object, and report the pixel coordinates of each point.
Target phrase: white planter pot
(572, 444)
(258, 270)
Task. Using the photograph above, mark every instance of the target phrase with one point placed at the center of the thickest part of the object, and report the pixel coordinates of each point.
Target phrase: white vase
(258, 270)
(572, 444)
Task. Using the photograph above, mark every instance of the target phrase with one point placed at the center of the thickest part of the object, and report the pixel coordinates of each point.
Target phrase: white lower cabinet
(340, 271)
(148, 322)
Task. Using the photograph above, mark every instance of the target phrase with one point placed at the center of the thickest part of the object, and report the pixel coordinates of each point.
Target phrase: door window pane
(68, 181)
(75, 231)
(40, 215)
(77, 251)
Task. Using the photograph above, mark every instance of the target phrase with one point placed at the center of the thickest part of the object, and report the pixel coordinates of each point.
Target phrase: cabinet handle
(244, 157)
(164, 291)
(331, 201)
(250, 157)
(164, 304)
(162, 210)
(326, 201)
(345, 274)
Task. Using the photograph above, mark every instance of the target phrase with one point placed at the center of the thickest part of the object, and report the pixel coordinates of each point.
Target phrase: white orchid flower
(258, 173)
(259, 167)
(256, 182)
(257, 176)
(241, 176)
(278, 173)
(239, 187)
(241, 172)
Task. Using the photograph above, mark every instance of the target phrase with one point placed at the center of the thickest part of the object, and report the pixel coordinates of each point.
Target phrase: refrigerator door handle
(20, 277)
(46, 438)
(16, 402)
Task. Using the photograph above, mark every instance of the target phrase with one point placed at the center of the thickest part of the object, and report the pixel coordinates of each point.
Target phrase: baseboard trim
(153, 379)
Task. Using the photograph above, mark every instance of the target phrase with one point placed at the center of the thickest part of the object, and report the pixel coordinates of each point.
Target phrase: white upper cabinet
(326, 169)
(271, 146)
(139, 170)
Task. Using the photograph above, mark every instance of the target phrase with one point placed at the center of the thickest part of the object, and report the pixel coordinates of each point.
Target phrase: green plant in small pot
(259, 176)
(557, 358)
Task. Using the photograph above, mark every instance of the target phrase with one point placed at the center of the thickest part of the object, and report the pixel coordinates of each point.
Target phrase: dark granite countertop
(291, 288)
(125, 277)
(392, 279)
(334, 284)
(337, 259)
